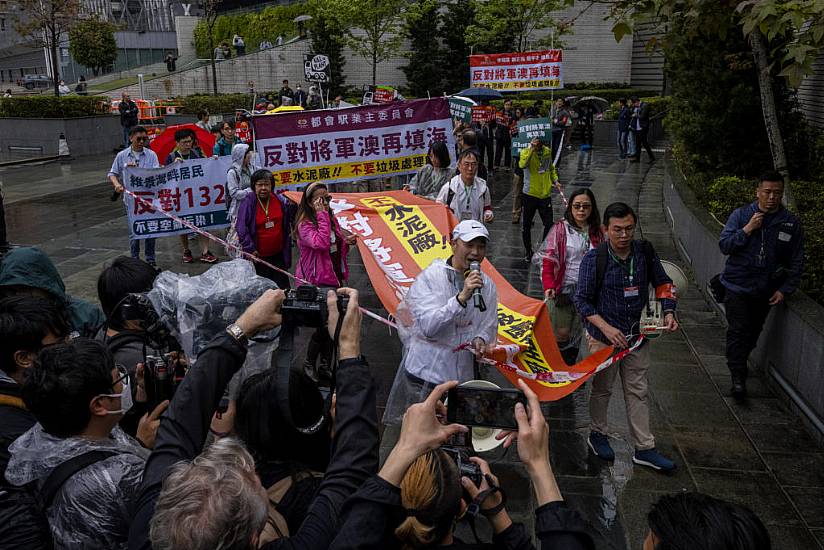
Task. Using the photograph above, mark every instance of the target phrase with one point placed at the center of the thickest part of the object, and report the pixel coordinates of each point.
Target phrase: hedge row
(53, 107)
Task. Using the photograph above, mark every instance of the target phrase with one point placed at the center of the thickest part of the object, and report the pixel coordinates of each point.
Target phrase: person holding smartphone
(440, 312)
(323, 246)
(140, 156)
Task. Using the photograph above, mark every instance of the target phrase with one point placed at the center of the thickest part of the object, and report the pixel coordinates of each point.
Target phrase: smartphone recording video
(489, 407)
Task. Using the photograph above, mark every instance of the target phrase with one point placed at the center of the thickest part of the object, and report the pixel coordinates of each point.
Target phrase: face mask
(125, 397)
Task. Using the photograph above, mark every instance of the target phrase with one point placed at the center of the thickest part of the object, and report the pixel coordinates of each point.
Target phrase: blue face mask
(125, 395)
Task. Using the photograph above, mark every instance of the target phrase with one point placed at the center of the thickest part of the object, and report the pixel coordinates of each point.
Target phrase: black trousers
(745, 317)
(503, 148)
(641, 141)
(280, 279)
(531, 205)
(3, 238)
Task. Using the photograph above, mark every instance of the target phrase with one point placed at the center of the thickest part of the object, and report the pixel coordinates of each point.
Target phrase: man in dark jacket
(128, 116)
(624, 117)
(764, 244)
(27, 325)
(175, 489)
(503, 136)
(28, 270)
(640, 128)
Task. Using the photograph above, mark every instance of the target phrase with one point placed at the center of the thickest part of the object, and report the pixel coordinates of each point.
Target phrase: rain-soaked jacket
(238, 179)
(93, 508)
(30, 266)
(431, 324)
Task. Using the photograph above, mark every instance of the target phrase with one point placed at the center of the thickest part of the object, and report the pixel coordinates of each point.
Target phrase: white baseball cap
(468, 230)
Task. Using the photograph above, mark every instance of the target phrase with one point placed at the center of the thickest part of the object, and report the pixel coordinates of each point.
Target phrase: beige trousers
(517, 188)
(635, 383)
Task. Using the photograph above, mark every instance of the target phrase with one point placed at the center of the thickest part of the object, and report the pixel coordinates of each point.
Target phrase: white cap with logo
(468, 230)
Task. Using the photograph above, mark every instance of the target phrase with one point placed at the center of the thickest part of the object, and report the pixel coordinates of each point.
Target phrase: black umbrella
(481, 94)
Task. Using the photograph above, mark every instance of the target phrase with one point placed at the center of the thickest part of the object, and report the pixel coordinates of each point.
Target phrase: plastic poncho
(431, 324)
(199, 308)
(29, 266)
(92, 510)
(428, 181)
(238, 180)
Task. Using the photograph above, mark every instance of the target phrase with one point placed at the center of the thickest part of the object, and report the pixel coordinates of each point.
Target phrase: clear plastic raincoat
(93, 508)
(431, 324)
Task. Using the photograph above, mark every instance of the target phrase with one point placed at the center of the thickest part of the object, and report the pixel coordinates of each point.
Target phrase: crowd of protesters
(89, 459)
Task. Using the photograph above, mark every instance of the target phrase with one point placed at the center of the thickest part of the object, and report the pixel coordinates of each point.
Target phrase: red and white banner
(513, 72)
(351, 144)
(401, 234)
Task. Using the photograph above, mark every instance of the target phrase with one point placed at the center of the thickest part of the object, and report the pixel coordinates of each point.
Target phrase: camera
(161, 378)
(305, 306)
(466, 468)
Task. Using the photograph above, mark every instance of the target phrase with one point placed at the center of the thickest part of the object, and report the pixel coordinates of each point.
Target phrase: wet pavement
(754, 453)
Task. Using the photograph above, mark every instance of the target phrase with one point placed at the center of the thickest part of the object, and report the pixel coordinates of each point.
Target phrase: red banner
(483, 113)
(401, 234)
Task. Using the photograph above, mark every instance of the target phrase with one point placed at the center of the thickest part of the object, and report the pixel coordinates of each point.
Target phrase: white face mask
(125, 396)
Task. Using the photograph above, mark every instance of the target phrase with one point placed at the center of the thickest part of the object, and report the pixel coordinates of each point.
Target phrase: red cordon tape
(554, 376)
(250, 257)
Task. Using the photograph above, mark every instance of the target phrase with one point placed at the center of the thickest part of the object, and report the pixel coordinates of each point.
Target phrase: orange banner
(400, 235)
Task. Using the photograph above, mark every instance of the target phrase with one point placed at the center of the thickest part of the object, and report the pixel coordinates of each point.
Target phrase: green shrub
(727, 193)
(254, 27)
(46, 106)
(215, 104)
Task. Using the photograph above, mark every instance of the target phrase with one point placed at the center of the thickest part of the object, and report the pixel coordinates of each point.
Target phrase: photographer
(440, 312)
(391, 510)
(215, 500)
(125, 334)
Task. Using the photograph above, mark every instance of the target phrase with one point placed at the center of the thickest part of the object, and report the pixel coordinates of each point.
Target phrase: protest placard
(194, 190)
(460, 109)
(519, 143)
(351, 144)
(540, 128)
(483, 113)
(512, 72)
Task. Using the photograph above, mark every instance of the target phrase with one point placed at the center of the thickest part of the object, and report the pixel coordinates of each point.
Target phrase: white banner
(194, 190)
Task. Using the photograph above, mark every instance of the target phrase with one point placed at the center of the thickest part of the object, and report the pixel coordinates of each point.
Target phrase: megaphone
(652, 317)
(483, 439)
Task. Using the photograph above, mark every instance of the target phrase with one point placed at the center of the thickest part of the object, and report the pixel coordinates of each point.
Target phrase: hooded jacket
(31, 267)
(15, 419)
(238, 179)
(93, 508)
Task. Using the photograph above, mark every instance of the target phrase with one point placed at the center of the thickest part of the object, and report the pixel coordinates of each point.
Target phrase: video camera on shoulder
(305, 306)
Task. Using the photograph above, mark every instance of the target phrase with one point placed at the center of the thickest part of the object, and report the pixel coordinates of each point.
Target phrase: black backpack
(23, 519)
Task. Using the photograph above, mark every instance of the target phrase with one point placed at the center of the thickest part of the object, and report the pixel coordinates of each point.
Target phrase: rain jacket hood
(31, 267)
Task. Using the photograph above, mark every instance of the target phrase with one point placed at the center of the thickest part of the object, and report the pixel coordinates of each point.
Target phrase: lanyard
(265, 208)
(631, 270)
(468, 191)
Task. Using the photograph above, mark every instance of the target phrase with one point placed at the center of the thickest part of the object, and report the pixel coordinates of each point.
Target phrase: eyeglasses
(123, 375)
(582, 206)
(141, 138)
(622, 230)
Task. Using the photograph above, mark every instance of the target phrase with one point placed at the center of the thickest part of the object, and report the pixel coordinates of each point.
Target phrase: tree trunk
(374, 66)
(53, 53)
(212, 59)
(758, 43)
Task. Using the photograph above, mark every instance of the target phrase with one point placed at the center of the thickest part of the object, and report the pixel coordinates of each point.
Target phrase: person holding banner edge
(137, 155)
(612, 292)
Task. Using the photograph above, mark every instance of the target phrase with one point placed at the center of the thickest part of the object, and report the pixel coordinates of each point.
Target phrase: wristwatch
(237, 333)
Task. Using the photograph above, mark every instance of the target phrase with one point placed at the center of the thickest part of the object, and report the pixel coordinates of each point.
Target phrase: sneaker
(208, 258)
(653, 459)
(739, 387)
(516, 220)
(599, 443)
(187, 256)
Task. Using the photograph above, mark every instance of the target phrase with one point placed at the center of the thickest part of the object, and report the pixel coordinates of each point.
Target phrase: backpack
(23, 520)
